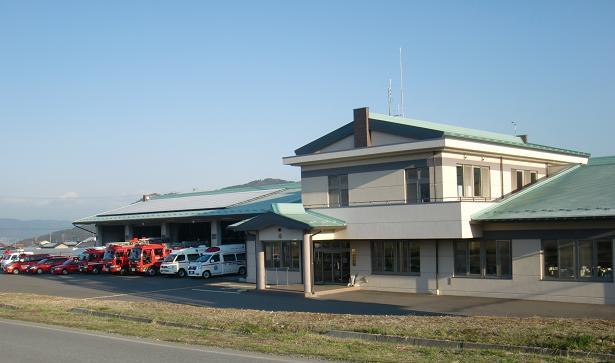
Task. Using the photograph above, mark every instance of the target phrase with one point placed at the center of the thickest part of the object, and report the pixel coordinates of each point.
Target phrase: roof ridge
(524, 191)
(285, 186)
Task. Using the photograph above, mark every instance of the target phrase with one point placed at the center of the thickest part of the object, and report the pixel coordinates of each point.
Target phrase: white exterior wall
(526, 281)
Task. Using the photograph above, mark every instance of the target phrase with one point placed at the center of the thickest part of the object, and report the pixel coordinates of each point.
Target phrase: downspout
(502, 177)
(437, 267)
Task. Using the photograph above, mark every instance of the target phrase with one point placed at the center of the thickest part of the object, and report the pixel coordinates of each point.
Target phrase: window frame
(378, 249)
(499, 275)
(418, 185)
(469, 188)
(336, 188)
(576, 258)
(285, 256)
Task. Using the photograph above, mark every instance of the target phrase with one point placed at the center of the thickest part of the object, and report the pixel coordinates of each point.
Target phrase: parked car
(44, 266)
(147, 258)
(70, 266)
(24, 262)
(177, 262)
(220, 260)
(115, 259)
(91, 260)
(12, 257)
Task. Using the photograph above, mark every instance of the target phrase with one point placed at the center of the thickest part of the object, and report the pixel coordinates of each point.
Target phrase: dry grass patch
(300, 334)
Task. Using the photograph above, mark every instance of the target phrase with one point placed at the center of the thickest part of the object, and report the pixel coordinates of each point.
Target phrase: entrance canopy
(291, 216)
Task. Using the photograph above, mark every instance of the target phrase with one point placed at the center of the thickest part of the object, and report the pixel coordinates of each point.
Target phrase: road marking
(220, 291)
(139, 293)
(146, 342)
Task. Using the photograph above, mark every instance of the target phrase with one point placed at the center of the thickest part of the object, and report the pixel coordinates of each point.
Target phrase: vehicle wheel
(95, 271)
(181, 273)
(64, 272)
(242, 271)
(39, 271)
(206, 274)
(152, 271)
(16, 272)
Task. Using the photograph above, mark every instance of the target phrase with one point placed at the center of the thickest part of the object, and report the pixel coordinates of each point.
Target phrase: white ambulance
(9, 258)
(177, 262)
(220, 260)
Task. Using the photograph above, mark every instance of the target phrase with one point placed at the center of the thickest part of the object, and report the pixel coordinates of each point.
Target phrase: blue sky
(101, 101)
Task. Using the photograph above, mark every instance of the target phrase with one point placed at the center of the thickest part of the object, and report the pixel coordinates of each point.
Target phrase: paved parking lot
(228, 292)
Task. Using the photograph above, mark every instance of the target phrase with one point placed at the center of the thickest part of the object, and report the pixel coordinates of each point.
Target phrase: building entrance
(331, 262)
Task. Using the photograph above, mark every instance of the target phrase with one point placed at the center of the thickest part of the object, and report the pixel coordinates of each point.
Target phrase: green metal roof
(291, 193)
(425, 130)
(290, 215)
(583, 191)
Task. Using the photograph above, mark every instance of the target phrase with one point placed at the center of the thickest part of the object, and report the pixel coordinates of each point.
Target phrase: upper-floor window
(338, 190)
(588, 260)
(521, 178)
(473, 181)
(417, 185)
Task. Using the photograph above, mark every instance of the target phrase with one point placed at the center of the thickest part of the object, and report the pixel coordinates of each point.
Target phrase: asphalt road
(17, 340)
(229, 293)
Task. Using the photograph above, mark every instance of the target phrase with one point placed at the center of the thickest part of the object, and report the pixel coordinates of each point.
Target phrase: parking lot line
(220, 291)
(139, 293)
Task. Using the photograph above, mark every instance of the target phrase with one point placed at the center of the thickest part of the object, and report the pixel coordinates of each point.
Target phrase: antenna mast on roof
(514, 127)
(389, 95)
(401, 83)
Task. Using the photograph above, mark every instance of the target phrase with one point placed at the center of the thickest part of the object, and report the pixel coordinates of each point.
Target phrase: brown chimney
(362, 136)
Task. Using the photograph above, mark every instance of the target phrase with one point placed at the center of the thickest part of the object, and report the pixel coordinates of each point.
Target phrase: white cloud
(70, 195)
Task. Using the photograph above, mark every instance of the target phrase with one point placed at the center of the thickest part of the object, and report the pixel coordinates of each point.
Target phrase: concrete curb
(139, 319)
(9, 306)
(336, 291)
(467, 345)
(104, 314)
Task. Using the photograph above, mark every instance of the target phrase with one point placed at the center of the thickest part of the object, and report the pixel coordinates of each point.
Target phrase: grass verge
(300, 334)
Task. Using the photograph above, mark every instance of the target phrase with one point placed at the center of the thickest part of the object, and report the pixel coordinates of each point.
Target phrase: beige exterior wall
(407, 221)
(382, 138)
(424, 283)
(525, 284)
(526, 281)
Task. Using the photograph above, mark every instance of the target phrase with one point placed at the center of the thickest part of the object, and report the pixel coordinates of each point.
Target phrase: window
(492, 259)
(229, 258)
(338, 190)
(282, 254)
(180, 258)
(473, 181)
(396, 257)
(193, 257)
(214, 258)
(417, 185)
(241, 257)
(522, 178)
(585, 260)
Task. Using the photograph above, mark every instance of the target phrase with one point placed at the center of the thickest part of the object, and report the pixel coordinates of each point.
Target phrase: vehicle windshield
(109, 255)
(135, 254)
(84, 256)
(68, 262)
(204, 258)
(170, 258)
(44, 260)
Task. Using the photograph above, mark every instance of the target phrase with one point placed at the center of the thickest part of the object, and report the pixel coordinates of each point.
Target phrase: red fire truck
(115, 259)
(146, 257)
(90, 260)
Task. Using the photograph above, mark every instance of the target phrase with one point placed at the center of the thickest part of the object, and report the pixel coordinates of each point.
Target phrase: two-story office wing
(391, 201)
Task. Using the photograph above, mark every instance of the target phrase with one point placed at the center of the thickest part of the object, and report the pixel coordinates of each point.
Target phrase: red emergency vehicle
(115, 259)
(91, 260)
(147, 257)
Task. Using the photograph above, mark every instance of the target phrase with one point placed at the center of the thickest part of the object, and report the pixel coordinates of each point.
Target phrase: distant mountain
(260, 183)
(12, 230)
(69, 234)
